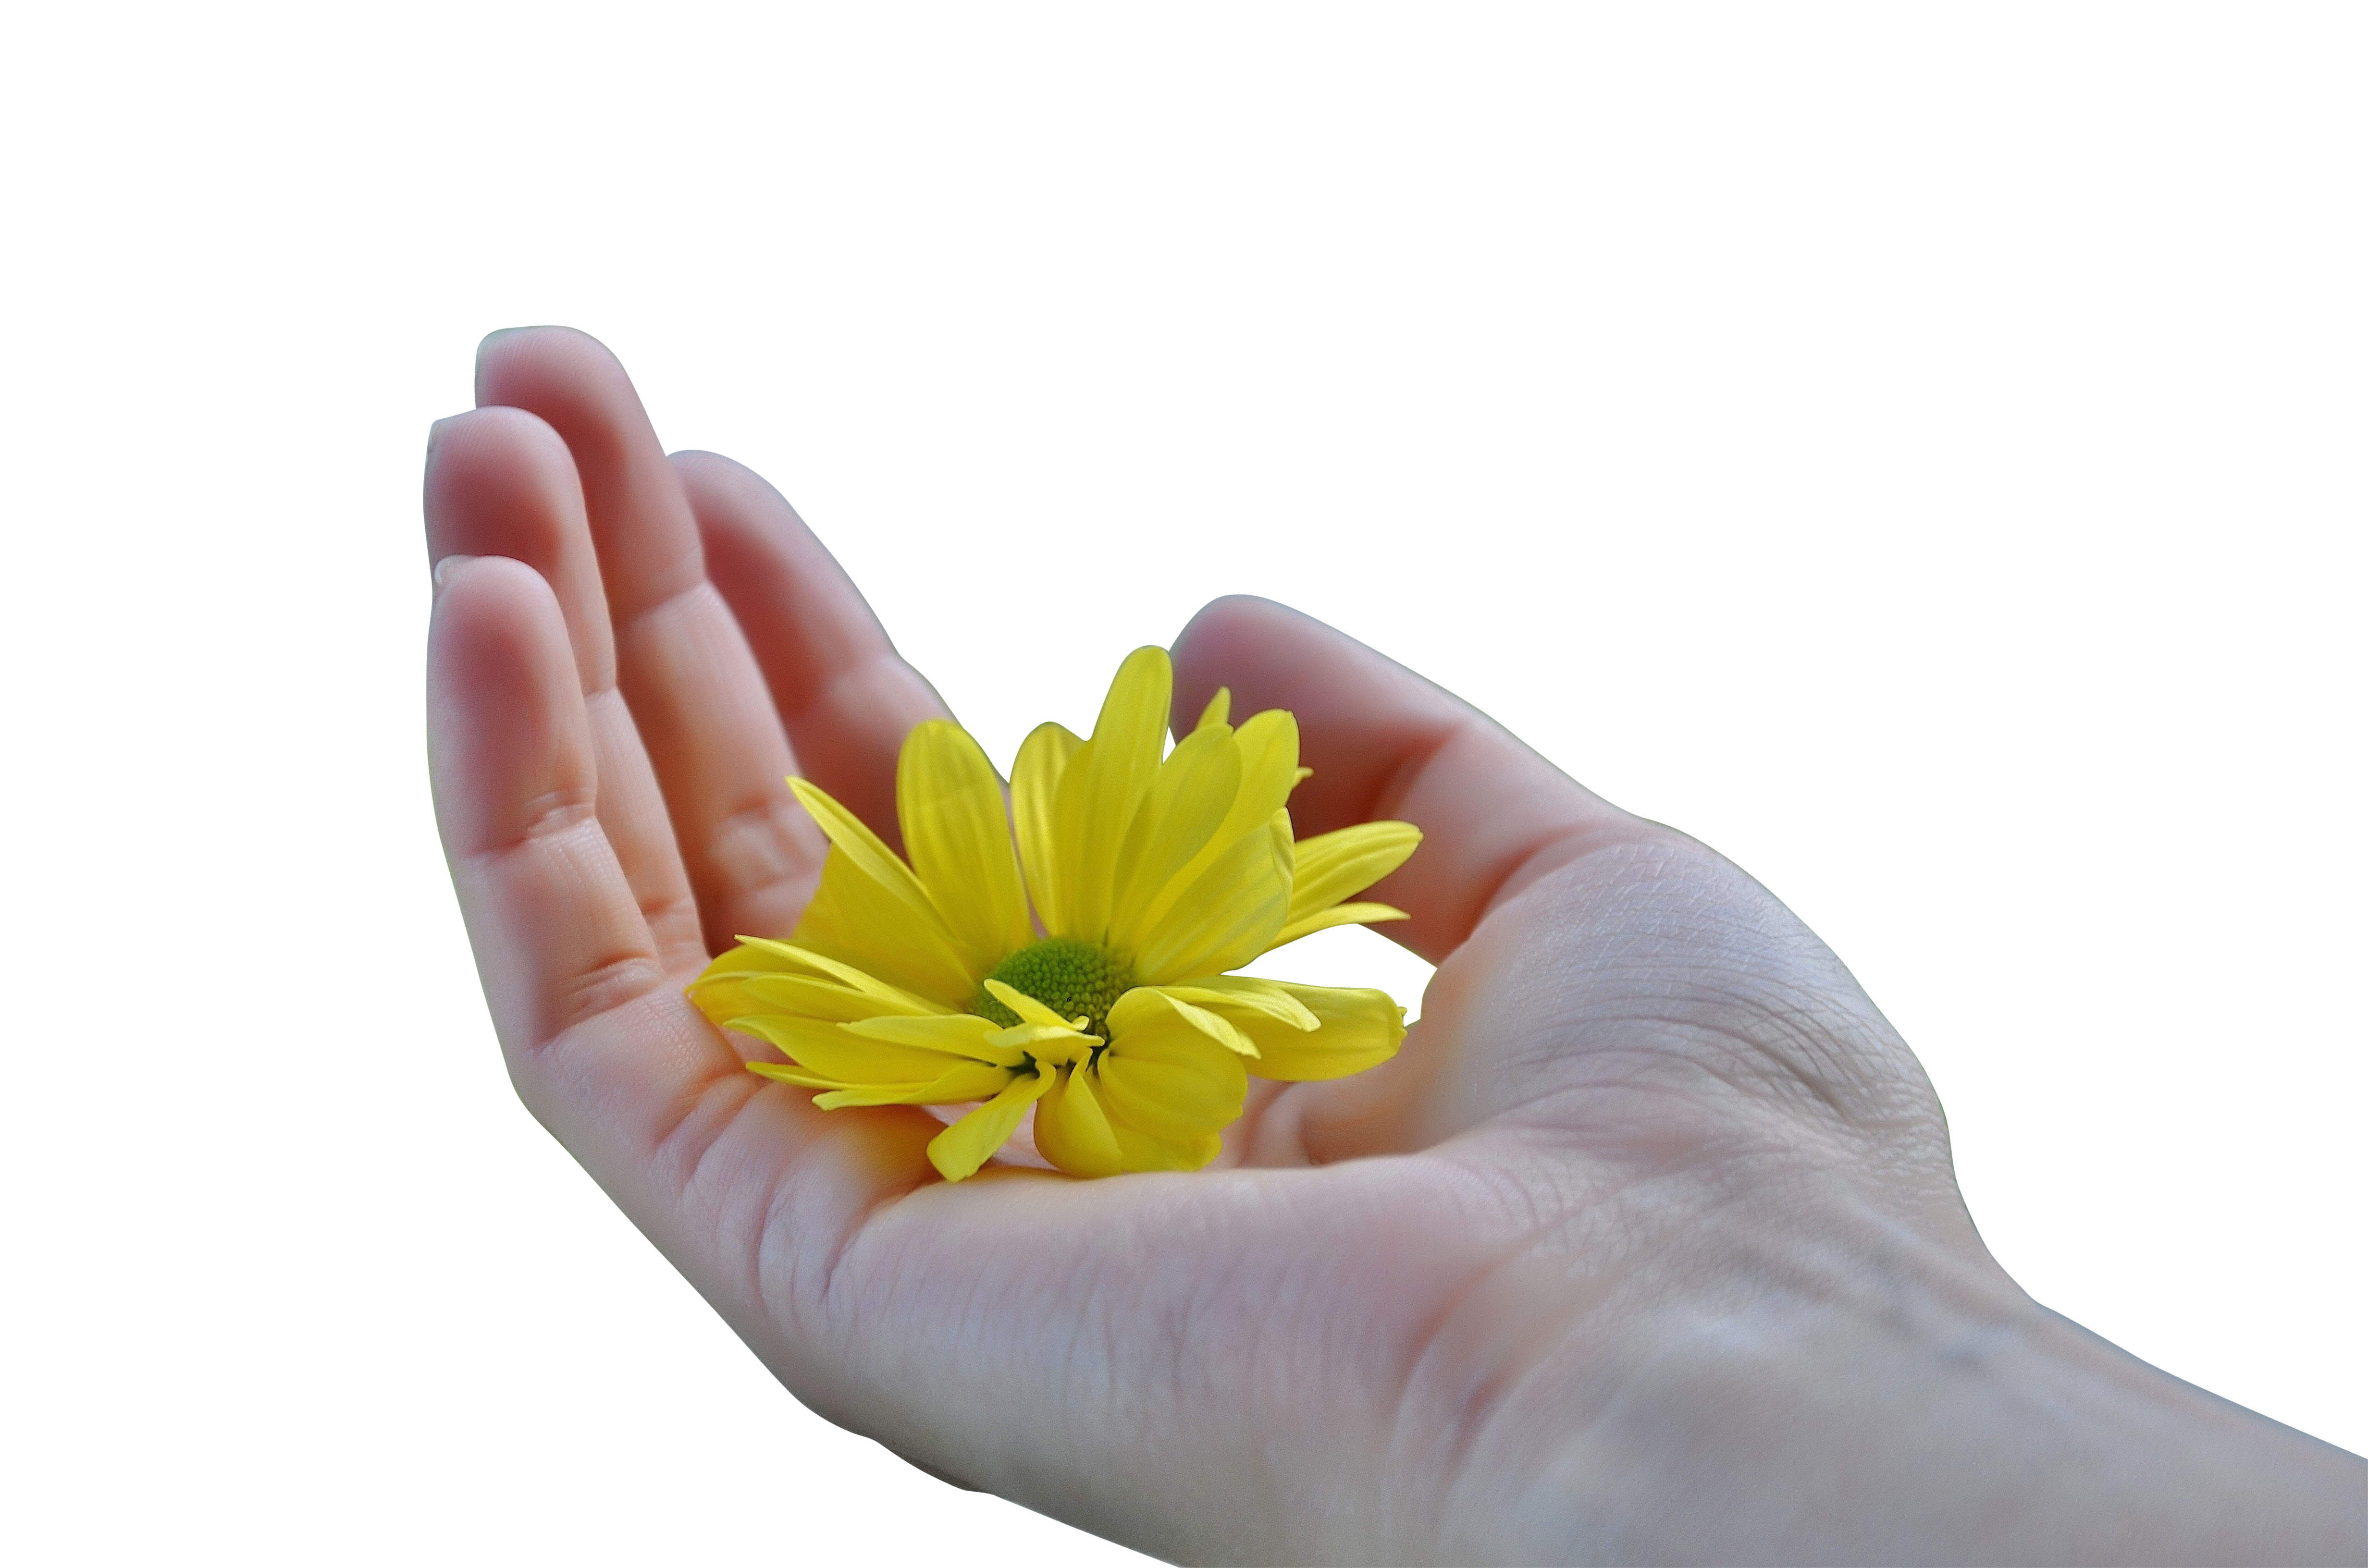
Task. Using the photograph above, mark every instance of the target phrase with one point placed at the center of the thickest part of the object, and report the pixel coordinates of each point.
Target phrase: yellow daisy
(1111, 1010)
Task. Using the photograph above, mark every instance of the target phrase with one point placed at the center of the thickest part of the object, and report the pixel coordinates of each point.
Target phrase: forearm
(1917, 1407)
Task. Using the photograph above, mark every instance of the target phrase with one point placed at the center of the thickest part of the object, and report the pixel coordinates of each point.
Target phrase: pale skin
(1646, 1248)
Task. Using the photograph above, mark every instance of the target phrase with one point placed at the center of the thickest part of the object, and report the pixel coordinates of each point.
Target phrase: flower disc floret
(1074, 979)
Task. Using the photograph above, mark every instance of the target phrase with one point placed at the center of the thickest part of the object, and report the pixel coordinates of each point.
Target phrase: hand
(1646, 1246)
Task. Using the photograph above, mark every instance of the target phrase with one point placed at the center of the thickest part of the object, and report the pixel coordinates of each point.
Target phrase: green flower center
(1068, 976)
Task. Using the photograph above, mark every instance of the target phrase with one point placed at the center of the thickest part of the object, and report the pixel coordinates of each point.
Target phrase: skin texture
(1646, 1248)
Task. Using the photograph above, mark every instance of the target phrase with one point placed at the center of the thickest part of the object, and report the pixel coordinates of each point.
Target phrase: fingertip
(477, 432)
(501, 481)
(488, 470)
(1355, 706)
(742, 517)
(1213, 647)
(521, 365)
(728, 498)
(639, 522)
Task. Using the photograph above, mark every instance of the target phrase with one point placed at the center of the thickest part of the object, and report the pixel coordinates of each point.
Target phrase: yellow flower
(1110, 1011)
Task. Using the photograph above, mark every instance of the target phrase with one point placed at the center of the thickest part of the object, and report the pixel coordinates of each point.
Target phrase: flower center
(1068, 976)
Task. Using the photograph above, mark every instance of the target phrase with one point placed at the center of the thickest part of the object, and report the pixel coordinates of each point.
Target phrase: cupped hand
(1646, 1246)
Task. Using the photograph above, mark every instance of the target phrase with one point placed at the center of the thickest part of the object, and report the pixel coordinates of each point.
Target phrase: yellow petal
(722, 989)
(753, 956)
(1331, 865)
(809, 996)
(872, 907)
(859, 844)
(1141, 1151)
(791, 1075)
(839, 1052)
(1035, 788)
(1145, 1005)
(1340, 915)
(1355, 1030)
(1230, 993)
(1190, 797)
(969, 1081)
(856, 920)
(1219, 709)
(1030, 1010)
(1171, 1081)
(1228, 916)
(969, 1143)
(791, 958)
(1268, 748)
(1050, 1047)
(1100, 789)
(951, 805)
(1073, 1131)
(957, 1035)
(1270, 770)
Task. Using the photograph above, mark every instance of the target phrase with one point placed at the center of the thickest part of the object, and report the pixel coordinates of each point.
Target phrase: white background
(1919, 453)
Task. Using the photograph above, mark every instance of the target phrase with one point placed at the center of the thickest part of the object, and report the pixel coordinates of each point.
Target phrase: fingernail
(443, 571)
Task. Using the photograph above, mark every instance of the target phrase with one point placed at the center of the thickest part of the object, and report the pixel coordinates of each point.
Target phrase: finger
(1386, 743)
(500, 484)
(848, 699)
(559, 936)
(603, 1046)
(714, 742)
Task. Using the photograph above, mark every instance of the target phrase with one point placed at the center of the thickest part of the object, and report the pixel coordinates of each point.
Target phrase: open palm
(1590, 1250)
